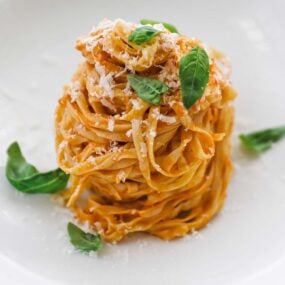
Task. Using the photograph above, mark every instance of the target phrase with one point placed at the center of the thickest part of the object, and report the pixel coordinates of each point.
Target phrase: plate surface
(245, 244)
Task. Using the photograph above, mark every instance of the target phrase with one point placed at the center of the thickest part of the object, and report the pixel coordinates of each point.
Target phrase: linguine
(134, 166)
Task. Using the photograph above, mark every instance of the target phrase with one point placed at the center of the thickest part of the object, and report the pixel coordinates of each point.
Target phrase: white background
(245, 244)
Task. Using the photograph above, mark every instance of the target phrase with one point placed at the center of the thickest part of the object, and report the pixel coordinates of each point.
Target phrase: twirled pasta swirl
(136, 167)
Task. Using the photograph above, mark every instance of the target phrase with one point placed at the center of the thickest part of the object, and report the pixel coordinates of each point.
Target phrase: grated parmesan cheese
(169, 41)
(152, 133)
(169, 74)
(136, 124)
(105, 24)
(114, 147)
(80, 126)
(196, 234)
(90, 80)
(121, 176)
(111, 124)
(156, 113)
(167, 119)
(99, 227)
(163, 118)
(74, 90)
(128, 90)
(125, 55)
(106, 80)
(129, 133)
(136, 104)
(63, 144)
(91, 42)
(91, 159)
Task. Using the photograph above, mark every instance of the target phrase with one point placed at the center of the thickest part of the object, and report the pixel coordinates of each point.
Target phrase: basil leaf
(82, 240)
(142, 35)
(194, 75)
(262, 140)
(26, 178)
(150, 90)
(168, 26)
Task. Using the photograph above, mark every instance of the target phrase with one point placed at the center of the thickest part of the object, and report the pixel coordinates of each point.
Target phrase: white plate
(245, 244)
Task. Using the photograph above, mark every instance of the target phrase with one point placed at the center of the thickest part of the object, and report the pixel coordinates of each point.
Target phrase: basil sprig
(168, 26)
(142, 35)
(262, 140)
(26, 178)
(150, 90)
(193, 75)
(83, 241)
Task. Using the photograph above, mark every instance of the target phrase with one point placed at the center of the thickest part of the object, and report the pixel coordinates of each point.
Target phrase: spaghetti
(134, 166)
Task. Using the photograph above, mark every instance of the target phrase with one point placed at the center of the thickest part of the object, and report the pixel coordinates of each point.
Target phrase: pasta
(134, 166)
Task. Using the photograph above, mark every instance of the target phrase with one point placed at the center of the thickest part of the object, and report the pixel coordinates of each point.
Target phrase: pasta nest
(134, 166)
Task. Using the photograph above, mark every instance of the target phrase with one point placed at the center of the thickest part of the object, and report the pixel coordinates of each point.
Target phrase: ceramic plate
(245, 244)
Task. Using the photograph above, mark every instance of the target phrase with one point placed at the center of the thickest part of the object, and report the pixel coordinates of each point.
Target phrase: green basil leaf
(142, 35)
(150, 90)
(26, 178)
(82, 240)
(193, 75)
(262, 140)
(168, 26)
